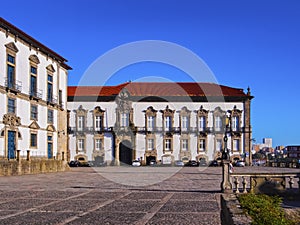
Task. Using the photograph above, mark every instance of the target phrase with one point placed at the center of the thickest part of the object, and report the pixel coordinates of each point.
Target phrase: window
(184, 123)
(34, 112)
(236, 145)
(50, 88)
(150, 123)
(33, 140)
(185, 146)
(202, 144)
(235, 123)
(98, 123)
(167, 144)
(202, 123)
(124, 120)
(80, 123)
(50, 116)
(11, 105)
(60, 102)
(168, 123)
(219, 144)
(98, 144)
(218, 123)
(150, 144)
(33, 82)
(80, 144)
(10, 71)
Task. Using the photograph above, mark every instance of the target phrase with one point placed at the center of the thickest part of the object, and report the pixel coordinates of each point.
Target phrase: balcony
(38, 94)
(52, 100)
(87, 130)
(15, 86)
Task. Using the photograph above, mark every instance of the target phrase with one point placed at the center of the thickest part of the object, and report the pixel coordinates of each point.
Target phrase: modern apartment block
(33, 96)
(158, 121)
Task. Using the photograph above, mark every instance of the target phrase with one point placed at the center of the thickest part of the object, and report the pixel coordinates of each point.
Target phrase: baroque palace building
(158, 121)
(33, 96)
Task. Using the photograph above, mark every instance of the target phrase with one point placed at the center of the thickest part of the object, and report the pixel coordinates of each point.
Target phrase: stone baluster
(244, 184)
(237, 184)
(291, 182)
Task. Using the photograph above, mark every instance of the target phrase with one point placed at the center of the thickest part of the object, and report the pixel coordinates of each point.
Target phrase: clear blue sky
(245, 43)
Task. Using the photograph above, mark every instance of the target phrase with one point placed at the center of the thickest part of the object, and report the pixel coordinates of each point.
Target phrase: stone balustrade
(271, 183)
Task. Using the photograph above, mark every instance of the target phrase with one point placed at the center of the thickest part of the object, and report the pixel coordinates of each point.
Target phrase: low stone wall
(13, 167)
(231, 211)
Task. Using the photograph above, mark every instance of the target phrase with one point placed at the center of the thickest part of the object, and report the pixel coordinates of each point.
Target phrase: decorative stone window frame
(97, 111)
(218, 112)
(202, 137)
(150, 112)
(52, 109)
(50, 71)
(81, 112)
(98, 137)
(11, 49)
(30, 143)
(77, 144)
(218, 137)
(167, 112)
(168, 137)
(33, 62)
(15, 104)
(239, 147)
(150, 136)
(202, 113)
(236, 113)
(182, 138)
(184, 112)
(37, 111)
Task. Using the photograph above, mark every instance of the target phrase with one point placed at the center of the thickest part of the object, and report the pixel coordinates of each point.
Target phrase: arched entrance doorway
(125, 151)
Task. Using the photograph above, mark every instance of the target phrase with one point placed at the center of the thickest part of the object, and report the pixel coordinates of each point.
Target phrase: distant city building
(267, 142)
(33, 94)
(158, 121)
(293, 151)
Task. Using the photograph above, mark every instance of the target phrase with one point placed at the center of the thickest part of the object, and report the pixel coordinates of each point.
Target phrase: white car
(240, 164)
(136, 163)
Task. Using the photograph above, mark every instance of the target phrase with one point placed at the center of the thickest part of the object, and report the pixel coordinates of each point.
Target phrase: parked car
(152, 162)
(202, 162)
(74, 163)
(179, 163)
(136, 163)
(214, 163)
(192, 163)
(239, 164)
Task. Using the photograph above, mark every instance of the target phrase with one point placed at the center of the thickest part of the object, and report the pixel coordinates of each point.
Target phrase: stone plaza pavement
(114, 195)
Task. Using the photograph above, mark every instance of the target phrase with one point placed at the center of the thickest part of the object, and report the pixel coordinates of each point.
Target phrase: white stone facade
(33, 96)
(193, 132)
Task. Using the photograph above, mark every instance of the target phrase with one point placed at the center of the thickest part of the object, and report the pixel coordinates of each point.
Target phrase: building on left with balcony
(33, 97)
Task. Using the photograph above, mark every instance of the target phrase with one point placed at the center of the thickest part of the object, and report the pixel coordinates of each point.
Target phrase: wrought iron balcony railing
(52, 100)
(13, 85)
(36, 93)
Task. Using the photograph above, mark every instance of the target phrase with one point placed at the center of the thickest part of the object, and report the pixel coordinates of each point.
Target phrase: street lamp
(225, 152)
(226, 185)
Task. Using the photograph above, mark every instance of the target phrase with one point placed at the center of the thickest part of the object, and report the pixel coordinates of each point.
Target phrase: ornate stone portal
(11, 122)
(124, 129)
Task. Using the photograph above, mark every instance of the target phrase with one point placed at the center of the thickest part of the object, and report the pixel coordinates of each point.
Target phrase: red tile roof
(158, 89)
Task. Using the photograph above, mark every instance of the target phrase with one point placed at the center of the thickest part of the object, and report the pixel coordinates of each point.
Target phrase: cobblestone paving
(105, 196)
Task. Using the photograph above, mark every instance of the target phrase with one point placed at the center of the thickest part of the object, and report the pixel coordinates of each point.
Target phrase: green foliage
(264, 209)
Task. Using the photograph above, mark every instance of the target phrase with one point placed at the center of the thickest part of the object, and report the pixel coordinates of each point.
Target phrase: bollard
(28, 155)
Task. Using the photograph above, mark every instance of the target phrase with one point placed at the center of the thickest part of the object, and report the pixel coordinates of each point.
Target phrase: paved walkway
(113, 195)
